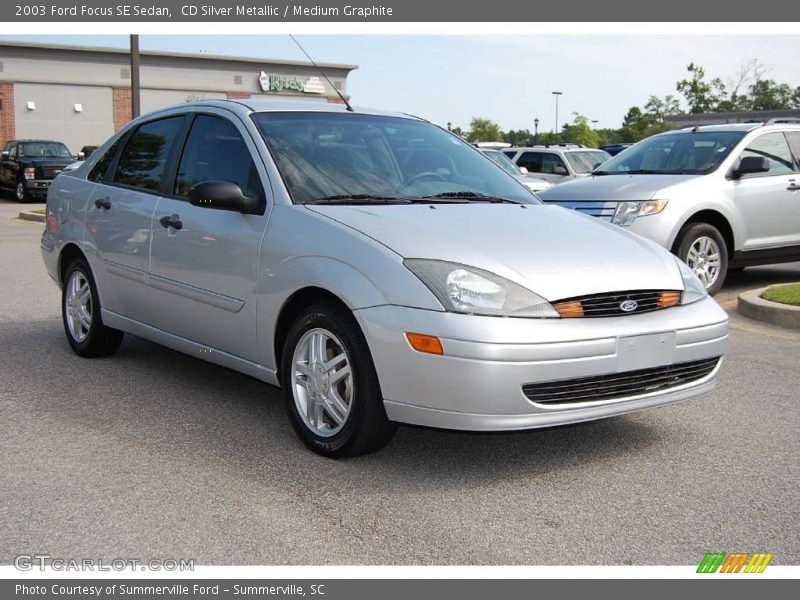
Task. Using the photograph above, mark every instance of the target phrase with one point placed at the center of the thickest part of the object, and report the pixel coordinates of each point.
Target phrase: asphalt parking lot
(153, 454)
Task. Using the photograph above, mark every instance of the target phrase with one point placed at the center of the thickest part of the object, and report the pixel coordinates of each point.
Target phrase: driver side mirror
(523, 170)
(81, 156)
(223, 195)
(751, 164)
(560, 170)
(5, 154)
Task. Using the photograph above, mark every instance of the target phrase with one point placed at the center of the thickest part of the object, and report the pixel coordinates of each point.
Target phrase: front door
(204, 272)
(769, 202)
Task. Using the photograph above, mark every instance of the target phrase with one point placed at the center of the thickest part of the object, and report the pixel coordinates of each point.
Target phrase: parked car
(719, 196)
(534, 184)
(28, 167)
(374, 266)
(557, 163)
(614, 149)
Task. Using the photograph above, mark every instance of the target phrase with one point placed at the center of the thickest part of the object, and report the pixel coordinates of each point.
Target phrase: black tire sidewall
(25, 195)
(690, 234)
(366, 388)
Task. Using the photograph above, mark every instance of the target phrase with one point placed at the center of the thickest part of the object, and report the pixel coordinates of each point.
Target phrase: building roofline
(180, 55)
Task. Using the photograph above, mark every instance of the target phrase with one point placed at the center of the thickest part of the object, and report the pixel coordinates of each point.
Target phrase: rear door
(769, 203)
(204, 274)
(130, 179)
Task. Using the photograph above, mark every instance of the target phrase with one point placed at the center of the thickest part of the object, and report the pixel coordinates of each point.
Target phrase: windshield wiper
(471, 197)
(359, 199)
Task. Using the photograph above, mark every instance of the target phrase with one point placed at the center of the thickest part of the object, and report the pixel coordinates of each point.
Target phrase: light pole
(555, 131)
(135, 105)
(535, 131)
(449, 126)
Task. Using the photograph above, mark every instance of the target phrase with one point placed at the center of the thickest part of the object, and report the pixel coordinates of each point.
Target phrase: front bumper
(37, 187)
(477, 384)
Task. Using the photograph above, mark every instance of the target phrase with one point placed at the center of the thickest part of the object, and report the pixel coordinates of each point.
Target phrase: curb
(752, 305)
(27, 215)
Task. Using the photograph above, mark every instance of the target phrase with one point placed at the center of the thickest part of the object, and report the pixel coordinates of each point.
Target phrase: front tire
(331, 388)
(702, 247)
(21, 192)
(80, 311)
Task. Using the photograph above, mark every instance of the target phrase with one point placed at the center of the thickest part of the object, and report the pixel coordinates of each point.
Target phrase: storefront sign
(281, 83)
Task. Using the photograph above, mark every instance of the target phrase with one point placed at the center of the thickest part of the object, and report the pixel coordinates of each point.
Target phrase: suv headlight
(464, 289)
(693, 288)
(628, 212)
(30, 173)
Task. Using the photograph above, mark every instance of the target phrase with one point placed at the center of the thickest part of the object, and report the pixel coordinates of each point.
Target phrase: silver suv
(720, 197)
(557, 163)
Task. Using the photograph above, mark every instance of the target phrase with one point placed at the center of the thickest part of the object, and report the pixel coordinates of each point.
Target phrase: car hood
(555, 252)
(614, 187)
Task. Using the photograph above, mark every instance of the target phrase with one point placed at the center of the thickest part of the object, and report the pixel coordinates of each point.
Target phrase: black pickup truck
(28, 167)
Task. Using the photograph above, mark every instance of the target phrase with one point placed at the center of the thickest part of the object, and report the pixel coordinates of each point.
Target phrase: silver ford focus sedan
(377, 268)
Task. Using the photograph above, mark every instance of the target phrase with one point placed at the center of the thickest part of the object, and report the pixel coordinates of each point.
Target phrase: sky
(509, 79)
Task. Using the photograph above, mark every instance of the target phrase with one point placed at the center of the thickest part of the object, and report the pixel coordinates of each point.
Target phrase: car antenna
(321, 72)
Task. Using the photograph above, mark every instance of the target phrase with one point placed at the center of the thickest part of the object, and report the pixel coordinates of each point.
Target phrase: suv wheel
(80, 310)
(702, 247)
(330, 385)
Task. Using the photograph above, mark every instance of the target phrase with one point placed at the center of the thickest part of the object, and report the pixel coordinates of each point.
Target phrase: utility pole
(536, 131)
(556, 130)
(135, 104)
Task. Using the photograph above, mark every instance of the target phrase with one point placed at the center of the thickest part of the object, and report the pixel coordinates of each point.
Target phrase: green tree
(765, 94)
(519, 137)
(659, 108)
(581, 132)
(701, 95)
(484, 130)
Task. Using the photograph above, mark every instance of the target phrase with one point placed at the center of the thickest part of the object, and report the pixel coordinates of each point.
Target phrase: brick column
(7, 126)
(121, 100)
(238, 95)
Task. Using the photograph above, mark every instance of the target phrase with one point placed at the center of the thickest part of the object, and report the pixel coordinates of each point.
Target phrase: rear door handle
(173, 221)
(103, 203)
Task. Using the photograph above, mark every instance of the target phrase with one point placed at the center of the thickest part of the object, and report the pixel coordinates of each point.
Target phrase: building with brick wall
(81, 95)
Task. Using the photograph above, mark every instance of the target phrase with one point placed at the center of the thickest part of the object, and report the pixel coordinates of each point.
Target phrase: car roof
(745, 127)
(551, 148)
(37, 141)
(250, 105)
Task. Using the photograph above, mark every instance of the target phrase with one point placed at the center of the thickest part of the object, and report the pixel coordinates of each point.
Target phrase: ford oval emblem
(628, 305)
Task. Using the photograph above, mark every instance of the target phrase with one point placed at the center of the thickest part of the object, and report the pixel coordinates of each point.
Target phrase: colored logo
(628, 305)
(735, 562)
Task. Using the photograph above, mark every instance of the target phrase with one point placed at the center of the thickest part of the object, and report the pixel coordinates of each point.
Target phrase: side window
(100, 171)
(215, 151)
(531, 161)
(510, 153)
(550, 161)
(794, 143)
(144, 158)
(11, 148)
(773, 147)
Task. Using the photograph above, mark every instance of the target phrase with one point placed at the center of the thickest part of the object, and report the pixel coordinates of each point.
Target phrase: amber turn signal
(425, 343)
(572, 309)
(667, 299)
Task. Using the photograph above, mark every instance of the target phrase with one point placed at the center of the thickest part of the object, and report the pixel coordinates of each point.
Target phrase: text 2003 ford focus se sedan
(377, 268)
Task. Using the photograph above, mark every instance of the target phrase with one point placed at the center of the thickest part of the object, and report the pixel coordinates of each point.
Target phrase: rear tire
(80, 311)
(702, 247)
(330, 385)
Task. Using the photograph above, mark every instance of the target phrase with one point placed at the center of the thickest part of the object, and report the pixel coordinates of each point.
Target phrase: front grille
(597, 208)
(614, 304)
(618, 385)
(49, 171)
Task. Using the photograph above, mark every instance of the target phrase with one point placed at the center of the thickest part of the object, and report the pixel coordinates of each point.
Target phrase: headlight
(30, 173)
(464, 289)
(693, 288)
(628, 212)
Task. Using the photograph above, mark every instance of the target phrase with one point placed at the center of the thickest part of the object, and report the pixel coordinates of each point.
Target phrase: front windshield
(501, 159)
(584, 161)
(44, 150)
(685, 153)
(335, 156)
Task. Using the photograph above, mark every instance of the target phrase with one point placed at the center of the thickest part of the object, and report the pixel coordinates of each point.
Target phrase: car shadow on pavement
(184, 407)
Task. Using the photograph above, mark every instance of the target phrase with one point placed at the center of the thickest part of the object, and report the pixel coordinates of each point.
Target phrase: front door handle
(173, 221)
(793, 185)
(103, 203)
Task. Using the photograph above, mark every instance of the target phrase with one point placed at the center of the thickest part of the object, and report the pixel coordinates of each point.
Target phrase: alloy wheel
(322, 382)
(704, 258)
(78, 307)
(20, 189)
